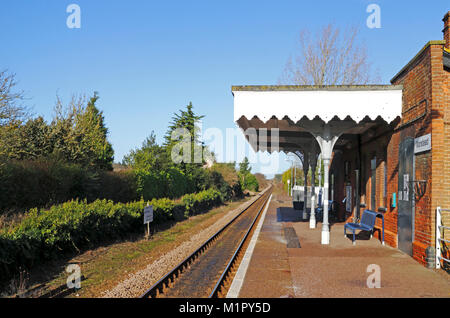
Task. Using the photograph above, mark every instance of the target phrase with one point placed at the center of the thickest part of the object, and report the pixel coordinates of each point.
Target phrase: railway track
(209, 271)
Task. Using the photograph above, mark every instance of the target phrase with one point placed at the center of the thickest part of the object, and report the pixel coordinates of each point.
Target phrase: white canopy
(326, 102)
(302, 114)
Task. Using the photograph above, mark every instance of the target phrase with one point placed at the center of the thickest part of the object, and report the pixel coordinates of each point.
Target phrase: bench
(367, 223)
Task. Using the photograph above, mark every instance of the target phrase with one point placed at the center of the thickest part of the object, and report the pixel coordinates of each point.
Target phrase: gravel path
(137, 283)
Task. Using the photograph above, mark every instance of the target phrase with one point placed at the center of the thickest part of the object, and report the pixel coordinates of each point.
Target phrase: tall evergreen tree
(90, 134)
(193, 161)
(244, 167)
(244, 171)
(188, 120)
(80, 135)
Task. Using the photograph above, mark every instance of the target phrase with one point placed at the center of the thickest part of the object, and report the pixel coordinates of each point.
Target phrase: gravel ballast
(137, 283)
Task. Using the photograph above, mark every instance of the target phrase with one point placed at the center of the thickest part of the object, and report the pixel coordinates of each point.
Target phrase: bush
(43, 182)
(216, 180)
(251, 182)
(69, 227)
(171, 183)
(224, 177)
(196, 203)
(27, 184)
(119, 186)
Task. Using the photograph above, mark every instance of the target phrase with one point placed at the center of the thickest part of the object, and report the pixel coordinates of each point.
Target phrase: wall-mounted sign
(348, 201)
(406, 187)
(422, 143)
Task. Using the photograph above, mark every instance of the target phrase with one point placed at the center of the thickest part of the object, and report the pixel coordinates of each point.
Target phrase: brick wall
(425, 109)
(423, 94)
(425, 84)
(446, 182)
(383, 146)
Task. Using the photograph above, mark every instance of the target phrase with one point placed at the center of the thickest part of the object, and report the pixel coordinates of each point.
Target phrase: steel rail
(216, 290)
(168, 279)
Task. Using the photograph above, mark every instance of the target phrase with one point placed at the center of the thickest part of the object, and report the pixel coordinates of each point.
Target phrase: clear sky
(148, 59)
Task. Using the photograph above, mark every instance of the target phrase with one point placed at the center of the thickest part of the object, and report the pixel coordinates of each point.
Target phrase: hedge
(42, 183)
(71, 226)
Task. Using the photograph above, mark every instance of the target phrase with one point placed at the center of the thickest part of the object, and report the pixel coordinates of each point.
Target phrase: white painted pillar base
(312, 216)
(325, 237)
(312, 222)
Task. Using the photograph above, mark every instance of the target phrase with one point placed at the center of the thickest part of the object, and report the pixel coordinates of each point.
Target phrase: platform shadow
(361, 236)
(287, 214)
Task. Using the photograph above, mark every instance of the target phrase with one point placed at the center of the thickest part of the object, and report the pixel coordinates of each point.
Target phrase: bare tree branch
(330, 57)
(11, 108)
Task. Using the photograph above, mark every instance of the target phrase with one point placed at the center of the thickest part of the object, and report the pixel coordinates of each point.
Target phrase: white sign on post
(148, 217)
(148, 214)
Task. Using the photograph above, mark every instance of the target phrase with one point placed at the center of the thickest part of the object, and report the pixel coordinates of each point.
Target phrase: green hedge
(200, 202)
(170, 183)
(69, 227)
(44, 182)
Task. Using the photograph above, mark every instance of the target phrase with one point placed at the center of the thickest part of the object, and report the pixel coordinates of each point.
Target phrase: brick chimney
(446, 30)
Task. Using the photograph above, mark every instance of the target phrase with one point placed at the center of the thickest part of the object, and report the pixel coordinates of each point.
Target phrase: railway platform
(281, 266)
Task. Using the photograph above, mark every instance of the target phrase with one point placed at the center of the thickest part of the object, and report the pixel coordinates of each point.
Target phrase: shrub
(171, 183)
(71, 226)
(196, 203)
(224, 177)
(43, 182)
(251, 182)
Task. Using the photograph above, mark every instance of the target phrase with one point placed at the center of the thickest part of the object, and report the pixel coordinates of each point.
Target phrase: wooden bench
(367, 223)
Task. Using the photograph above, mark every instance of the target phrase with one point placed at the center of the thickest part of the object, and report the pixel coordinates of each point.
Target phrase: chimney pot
(446, 29)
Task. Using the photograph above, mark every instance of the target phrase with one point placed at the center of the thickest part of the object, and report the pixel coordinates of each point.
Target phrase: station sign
(148, 214)
(422, 143)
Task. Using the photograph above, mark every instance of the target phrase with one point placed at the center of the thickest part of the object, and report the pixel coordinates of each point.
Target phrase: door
(405, 195)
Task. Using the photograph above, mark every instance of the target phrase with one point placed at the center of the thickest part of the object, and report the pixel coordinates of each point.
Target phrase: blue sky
(148, 59)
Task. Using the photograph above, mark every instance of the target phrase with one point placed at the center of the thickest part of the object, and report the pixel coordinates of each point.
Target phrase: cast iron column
(312, 217)
(305, 174)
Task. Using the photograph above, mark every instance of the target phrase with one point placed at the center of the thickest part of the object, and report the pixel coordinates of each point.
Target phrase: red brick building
(385, 147)
(425, 111)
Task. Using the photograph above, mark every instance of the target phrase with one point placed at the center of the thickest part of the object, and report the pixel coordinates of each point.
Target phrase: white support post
(438, 236)
(325, 226)
(312, 217)
(326, 146)
(313, 160)
(305, 193)
(326, 136)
